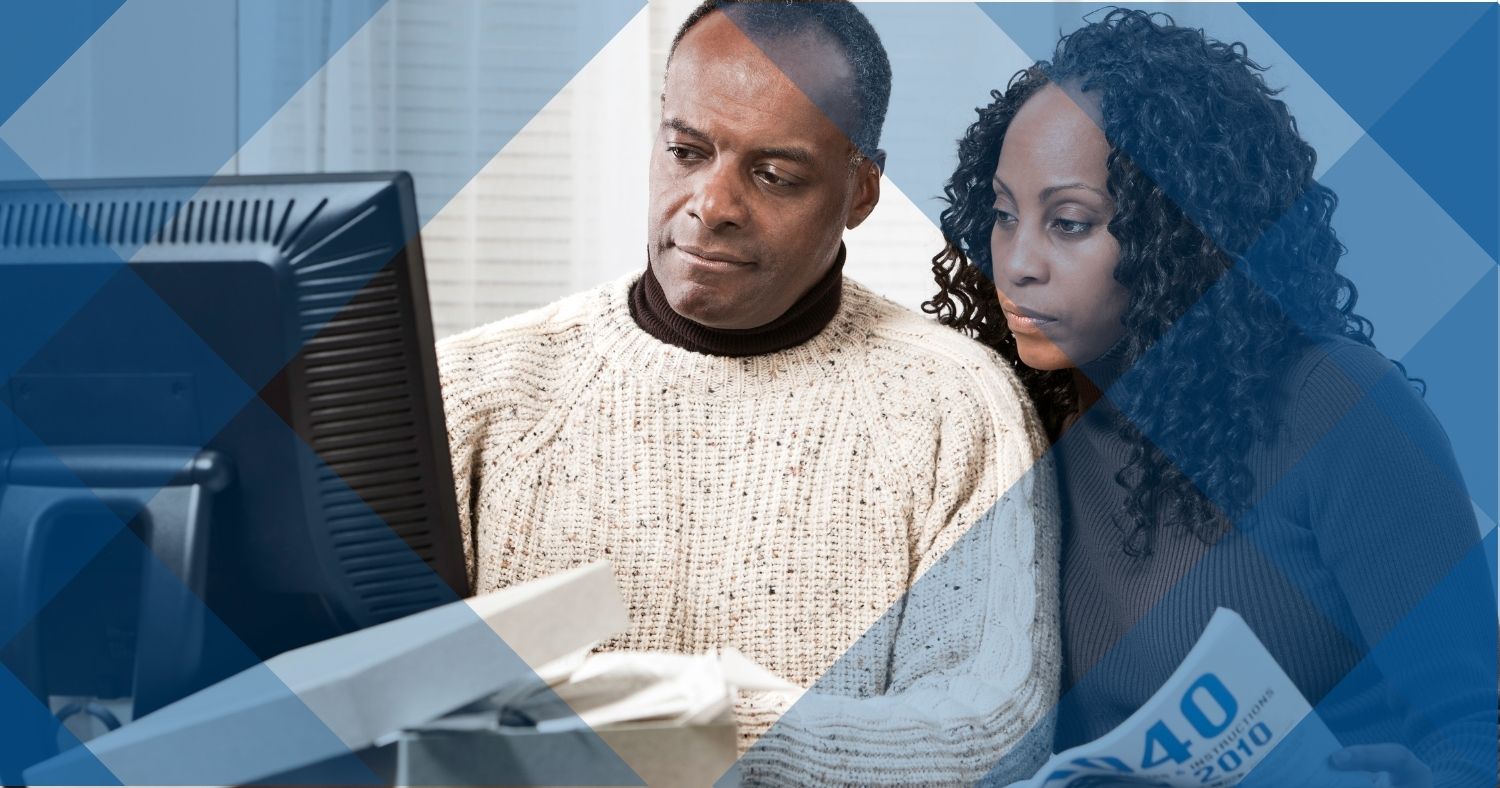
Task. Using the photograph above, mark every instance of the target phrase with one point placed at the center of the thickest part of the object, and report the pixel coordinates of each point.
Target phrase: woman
(1135, 227)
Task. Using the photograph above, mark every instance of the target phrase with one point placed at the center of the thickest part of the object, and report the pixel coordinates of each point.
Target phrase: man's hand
(1390, 765)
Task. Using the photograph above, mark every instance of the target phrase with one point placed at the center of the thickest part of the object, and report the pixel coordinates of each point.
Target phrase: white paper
(626, 686)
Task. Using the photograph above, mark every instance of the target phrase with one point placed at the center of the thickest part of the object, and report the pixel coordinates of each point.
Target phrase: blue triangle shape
(29, 733)
(1443, 132)
(1376, 196)
(1458, 360)
(1036, 27)
(933, 100)
(280, 46)
(36, 38)
(1438, 664)
(1366, 55)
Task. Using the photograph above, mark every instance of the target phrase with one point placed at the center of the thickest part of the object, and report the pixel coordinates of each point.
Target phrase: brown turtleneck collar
(810, 315)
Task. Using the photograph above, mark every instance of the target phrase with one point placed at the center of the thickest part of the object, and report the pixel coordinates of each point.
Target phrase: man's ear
(866, 189)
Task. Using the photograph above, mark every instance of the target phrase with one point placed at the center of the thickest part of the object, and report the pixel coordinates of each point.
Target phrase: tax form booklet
(1228, 713)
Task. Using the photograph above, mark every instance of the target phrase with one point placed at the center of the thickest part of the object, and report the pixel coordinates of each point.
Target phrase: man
(771, 455)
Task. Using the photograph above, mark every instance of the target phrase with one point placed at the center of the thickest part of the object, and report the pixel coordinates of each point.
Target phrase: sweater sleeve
(466, 435)
(1395, 525)
(974, 662)
(500, 383)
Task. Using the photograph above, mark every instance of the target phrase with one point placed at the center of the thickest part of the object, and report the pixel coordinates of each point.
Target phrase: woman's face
(1054, 258)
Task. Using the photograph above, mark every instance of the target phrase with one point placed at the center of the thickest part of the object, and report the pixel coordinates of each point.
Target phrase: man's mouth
(713, 258)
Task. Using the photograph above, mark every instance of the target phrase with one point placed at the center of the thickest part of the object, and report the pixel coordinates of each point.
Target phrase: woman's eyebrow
(1047, 193)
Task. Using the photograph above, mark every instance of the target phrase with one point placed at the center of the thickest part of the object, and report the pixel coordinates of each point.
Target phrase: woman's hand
(1391, 765)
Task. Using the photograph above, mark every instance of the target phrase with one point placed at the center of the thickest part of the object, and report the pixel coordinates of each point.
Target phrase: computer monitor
(253, 390)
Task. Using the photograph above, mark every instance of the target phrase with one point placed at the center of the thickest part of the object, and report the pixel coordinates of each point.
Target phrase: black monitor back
(264, 349)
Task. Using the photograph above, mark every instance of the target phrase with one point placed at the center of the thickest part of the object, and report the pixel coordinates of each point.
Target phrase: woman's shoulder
(1340, 389)
(1337, 361)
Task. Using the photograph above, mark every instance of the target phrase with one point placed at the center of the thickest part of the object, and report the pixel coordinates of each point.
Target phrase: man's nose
(719, 198)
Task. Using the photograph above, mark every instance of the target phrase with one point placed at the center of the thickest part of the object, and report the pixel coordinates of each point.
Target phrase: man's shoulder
(917, 359)
(945, 401)
(565, 315)
(525, 354)
(902, 337)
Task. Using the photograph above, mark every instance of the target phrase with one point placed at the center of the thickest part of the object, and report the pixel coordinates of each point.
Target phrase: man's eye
(681, 153)
(771, 178)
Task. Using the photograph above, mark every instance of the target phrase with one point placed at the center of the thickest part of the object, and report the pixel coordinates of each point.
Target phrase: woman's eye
(1002, 216)
(1071, 226)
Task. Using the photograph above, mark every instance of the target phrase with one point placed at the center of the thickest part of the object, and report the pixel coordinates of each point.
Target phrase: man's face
(751, 183)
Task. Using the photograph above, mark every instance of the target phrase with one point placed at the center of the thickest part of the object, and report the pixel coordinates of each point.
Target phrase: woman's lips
(1025, 320)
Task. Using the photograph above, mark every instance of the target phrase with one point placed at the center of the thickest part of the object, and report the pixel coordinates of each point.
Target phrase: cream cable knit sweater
(783, 504)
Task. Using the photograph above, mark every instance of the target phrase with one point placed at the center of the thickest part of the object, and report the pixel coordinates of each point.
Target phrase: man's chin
(707, 306)
(712, 314)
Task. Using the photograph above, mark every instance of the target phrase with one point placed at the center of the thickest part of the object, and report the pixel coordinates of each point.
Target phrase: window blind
(562, 206)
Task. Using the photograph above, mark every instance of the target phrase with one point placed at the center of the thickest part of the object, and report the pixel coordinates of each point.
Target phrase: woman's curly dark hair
(1226, 251)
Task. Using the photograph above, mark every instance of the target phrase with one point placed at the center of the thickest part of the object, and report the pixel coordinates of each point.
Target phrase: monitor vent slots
(366, 433)
(137, 223)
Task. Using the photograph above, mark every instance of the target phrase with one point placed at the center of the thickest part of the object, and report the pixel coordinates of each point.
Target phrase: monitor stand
(167, 492)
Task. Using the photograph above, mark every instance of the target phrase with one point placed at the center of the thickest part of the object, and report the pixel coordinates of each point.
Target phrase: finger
(1370, 757)
(1392, 758)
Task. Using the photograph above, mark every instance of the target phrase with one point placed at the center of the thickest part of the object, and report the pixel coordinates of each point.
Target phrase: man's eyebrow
(797, 155)
(682, 127)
